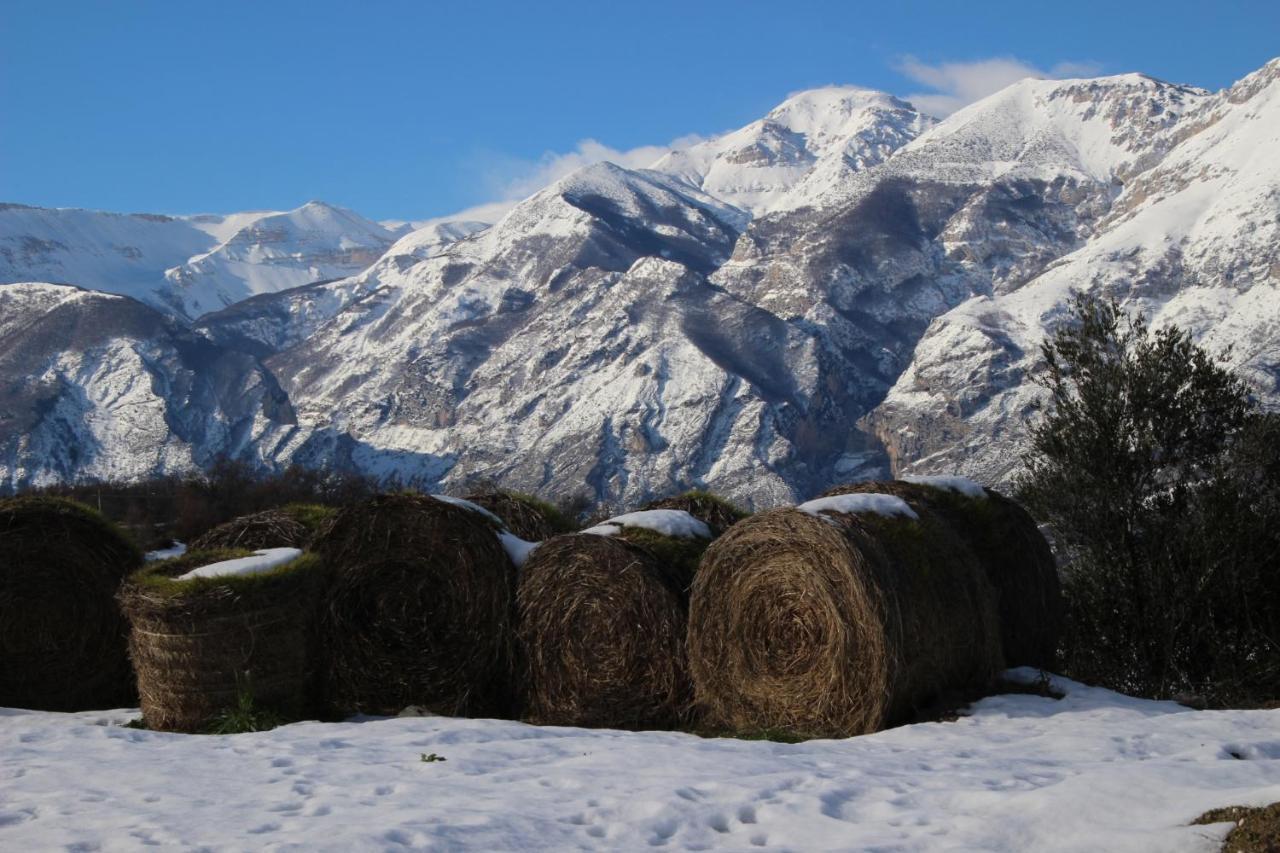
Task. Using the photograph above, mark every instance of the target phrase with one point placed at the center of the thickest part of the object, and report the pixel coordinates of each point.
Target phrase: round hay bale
(524, 515)
(601, 629)
(292, 526)
(418, 609)
(1015, 556)
(62, 638)
(200, 645)
(712, 510)
(836, 625)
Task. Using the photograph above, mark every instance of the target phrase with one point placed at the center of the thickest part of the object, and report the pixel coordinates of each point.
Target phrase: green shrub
(1158, 477)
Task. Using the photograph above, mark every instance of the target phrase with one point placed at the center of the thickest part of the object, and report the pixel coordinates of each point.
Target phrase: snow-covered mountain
(1192, 239)
(101, 386)
(827, 131)
(316, 242)
(842, 288)
(190, 265)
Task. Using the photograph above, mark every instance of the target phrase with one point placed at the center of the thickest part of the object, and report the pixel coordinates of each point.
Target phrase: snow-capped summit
(842, 127)
(186, 265)
(1105, 127)
(315, 242)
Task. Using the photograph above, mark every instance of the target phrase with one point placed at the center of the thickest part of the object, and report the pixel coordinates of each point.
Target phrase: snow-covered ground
(1093, 771)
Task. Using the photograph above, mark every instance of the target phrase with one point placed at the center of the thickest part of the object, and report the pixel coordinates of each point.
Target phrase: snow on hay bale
(292, 526)
(212, 626)
(837, 618)
(524, 515)
(674, 537)
(601, 629)
(62, 639)
(418, 608)
(1011, 550)
(714, 511)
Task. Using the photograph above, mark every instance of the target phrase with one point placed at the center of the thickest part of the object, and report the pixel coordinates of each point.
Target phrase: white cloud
(953, 85)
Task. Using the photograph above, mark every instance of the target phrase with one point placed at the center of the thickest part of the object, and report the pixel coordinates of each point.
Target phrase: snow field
(1093, 771)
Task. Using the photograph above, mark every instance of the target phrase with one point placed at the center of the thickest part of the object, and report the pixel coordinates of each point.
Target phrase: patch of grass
(557, 519)
(310, 516)
(246, 716)
(1257, 830)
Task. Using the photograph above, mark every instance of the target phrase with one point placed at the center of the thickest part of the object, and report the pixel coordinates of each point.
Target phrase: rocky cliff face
(102, 386)
(841, 289)
(1191, 235)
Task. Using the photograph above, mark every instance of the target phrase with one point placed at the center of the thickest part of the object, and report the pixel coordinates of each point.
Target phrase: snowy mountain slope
(548, 349)
(316, 242)
(831, 130)
(118, 253)
(188, 265)
(101, 386)
(1194, 239)
(1093, 771)
(272, 322)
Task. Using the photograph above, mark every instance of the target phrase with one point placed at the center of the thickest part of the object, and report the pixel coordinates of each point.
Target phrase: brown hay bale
(601, 629)
(418, 609)
(62, 639)
(1015, 556)
(678, 555)
(712, 510)
(838, 625)
(198, 645)
(292, 526)
(524, 515)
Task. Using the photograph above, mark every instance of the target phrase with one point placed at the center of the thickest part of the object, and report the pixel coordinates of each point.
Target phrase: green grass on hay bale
(1015, 556)
(838, 625)
(201, 647)
(62, 638)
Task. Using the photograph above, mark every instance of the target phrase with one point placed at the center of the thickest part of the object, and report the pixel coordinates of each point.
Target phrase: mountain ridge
(843, 288)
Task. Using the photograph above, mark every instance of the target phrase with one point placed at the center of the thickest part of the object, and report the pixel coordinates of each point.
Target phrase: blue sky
(417, 109)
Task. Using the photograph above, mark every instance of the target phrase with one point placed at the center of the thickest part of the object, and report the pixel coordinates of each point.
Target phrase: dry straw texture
(525, 516)
(712, 510)
(62, 639)
(838, 625)
(418, 609)
(602, 632)
(1015, 555)
(197, 645)
(292, 526)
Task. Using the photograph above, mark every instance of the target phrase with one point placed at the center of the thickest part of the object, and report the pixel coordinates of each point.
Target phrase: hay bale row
(837, 623)
(1012, 552)
(417, 610)
(62, 638)
(199, 646)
